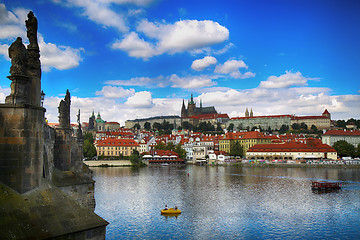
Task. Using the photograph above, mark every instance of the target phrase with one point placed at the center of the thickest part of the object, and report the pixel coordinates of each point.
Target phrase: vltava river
(227, 203)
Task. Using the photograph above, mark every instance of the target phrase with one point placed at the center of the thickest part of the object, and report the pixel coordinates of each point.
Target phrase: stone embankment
(106, 163)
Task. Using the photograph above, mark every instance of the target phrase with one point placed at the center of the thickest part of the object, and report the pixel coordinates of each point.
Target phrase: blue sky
(132, 59)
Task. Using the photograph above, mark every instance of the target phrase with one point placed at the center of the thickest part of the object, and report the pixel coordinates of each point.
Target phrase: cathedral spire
(251, 113)
(247, 113)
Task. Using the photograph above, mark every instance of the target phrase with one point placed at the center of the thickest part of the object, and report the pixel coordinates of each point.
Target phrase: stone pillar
(20, 85)
(62, 149)
(63, 136)
(21, 146)
(34, 72)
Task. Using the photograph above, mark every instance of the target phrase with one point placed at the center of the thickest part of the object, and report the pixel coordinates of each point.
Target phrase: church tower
(251, 113)
(326, 114)
(183, 110)
(191, 107)
(247, 113)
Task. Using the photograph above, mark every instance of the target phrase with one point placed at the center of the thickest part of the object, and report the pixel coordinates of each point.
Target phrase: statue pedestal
(20, 88)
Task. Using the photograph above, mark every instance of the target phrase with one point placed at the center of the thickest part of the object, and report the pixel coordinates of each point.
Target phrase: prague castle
(192, 110)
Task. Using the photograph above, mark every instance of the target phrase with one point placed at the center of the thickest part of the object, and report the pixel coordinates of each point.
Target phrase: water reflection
(227, 202)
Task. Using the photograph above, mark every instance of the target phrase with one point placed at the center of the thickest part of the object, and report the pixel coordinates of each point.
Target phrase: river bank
(127, 163)
(106, 163)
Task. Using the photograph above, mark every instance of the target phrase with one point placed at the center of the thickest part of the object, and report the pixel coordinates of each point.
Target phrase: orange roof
(210, 116)
(116, 142)
(271, 116)
(342, 133)
(292, 146)
(309, 117)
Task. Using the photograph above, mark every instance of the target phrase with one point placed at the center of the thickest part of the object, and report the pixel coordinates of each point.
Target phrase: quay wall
(119, 163)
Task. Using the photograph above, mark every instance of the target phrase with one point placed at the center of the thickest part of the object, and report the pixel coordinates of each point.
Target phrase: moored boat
(171, 211)
(325, 185)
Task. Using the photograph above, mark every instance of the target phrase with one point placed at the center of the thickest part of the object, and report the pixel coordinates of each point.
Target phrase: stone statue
(32, 27)
(64, 111)
(19, 58)
(79, 130)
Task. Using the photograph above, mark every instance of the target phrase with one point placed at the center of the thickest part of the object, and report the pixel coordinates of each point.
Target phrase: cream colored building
(116, 147)
(312, 149)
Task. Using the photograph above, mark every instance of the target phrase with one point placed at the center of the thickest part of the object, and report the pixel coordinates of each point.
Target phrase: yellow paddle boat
(171, 211)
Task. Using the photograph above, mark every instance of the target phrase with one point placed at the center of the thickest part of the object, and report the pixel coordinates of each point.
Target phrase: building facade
(332, 136)
(116, 147)
(312, 149)
(192, 110)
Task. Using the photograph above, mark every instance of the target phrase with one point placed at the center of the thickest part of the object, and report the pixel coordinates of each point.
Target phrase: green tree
(187, 125)
(147, 126)
(230, 127)
(135, 159)
(89, 149)
(341, 123)
(295, 126)
(303, 126)
(160, 146)
(157, 126)
(170, 146)
(357, 151)
(283, 129)
(218, 127)
(137, 126)
(236, 149)
(314, 129)
(180, 151)
(344, 149)
(89, 136)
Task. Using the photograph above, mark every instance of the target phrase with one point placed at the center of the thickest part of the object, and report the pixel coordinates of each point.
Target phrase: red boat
(325, 185)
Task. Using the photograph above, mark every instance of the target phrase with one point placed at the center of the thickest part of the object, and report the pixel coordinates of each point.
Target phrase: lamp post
(42, 97)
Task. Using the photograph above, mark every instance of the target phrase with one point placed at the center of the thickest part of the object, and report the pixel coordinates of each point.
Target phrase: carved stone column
(20, 89)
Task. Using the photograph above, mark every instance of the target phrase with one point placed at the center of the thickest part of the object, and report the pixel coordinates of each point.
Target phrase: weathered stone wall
(21, 146)
(49, 143)
(62, 149)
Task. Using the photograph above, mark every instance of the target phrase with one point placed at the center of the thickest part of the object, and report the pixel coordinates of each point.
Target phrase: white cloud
(4, 51)
(232, 67)
(135, 46)
(184, 35)
(141, 81)
(299, 101)
(286, 80)
(191, 82)
(141, 3)
(270, 101)
(100, 12)
(140, 100)
(115, 92)
(59, 57)
(12, 24)
(3, 93)
(201, 64)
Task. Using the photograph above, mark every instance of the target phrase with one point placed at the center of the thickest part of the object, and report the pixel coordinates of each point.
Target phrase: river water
(227, 203)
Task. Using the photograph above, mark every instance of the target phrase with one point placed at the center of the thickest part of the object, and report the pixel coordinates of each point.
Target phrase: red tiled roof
(116, 142)
(209, 116)
(342, 133)
(292, 146)
(270, 116)
(309, 117)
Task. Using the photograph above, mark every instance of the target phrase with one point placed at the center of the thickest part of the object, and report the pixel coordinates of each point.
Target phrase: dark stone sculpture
(32, 27)
(64, 112)
(79, 130)
(19, 58)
